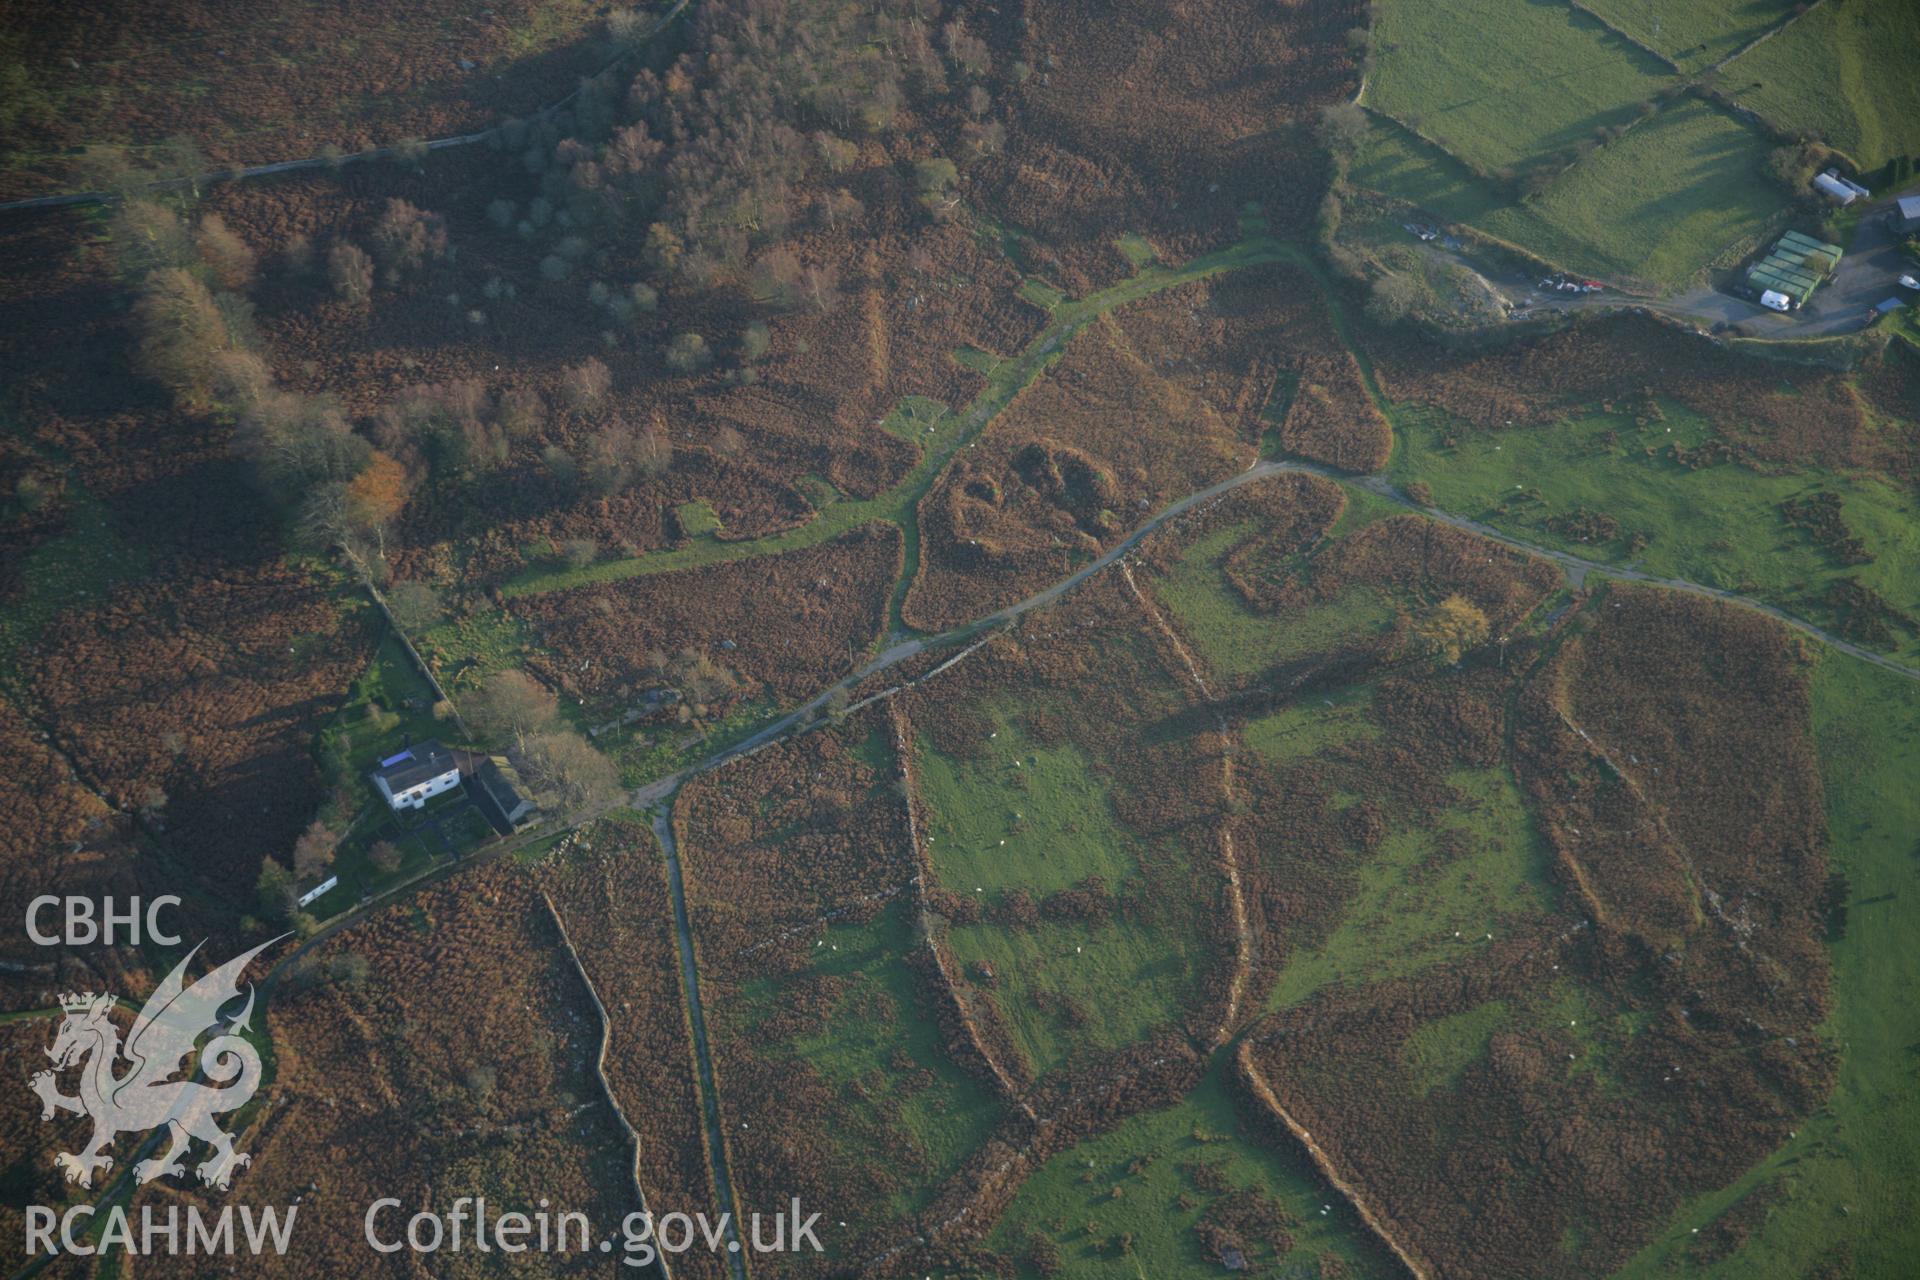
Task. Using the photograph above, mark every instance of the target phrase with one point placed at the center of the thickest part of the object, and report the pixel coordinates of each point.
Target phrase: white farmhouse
(423, 770)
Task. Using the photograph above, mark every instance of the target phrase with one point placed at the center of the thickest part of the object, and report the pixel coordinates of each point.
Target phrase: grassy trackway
(899, 504)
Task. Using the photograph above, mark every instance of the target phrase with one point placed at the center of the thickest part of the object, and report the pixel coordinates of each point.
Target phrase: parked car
(1774, 300)
(1908, 282)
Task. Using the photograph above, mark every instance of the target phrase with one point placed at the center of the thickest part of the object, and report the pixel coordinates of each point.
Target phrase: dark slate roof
(499, 795)
(419, 762)
(503, 782)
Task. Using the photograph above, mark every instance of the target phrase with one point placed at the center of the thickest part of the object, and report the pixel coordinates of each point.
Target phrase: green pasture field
(1844, 1184)
(1719, 526)
(1501, 82)
(1304, 729)
(1398, 924)
(1438, 1053)
(1127, 977)
(1398, 163)
(1697, 33)
(1844, 71)
(1236, 641)
(1022, 816)
(1041, 294)
(1682, 190)
(854, 1051)
(1121, 1206)
(1025, 816)
(916, 418)
(1679, 192)
(473, 647)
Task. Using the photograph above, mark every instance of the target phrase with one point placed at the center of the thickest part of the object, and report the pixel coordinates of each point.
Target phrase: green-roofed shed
(1774, 265)
(1807, 244)
(1800, 279)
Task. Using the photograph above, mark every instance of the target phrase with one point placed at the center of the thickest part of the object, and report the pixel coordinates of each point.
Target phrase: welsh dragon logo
(145, 1096)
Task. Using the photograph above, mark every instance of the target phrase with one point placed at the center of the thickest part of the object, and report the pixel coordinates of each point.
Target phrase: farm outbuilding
(1906, 213)
(508, 801)
(1834, 189)
(1795, 266)
(1801, 243)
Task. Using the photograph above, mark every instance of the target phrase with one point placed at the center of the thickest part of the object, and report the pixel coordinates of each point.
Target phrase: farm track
(702, 1053)
(1580, 566)
(658, 794)
(900, 504)
(1032, 362)
(1071, 318)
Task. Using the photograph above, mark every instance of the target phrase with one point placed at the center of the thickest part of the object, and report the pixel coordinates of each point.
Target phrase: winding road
(657, 795)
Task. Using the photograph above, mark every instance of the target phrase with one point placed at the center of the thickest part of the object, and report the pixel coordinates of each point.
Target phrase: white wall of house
(417, 795)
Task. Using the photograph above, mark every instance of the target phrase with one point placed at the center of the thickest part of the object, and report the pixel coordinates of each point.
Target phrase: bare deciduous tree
(415, 605)
(688, 353)
(313, 851)
(350, 272)
(240, 379)
(406, 238)
(511, 705)
(566, 773)
(585, 384)
(181, 331)
(296, 442)
(227, 257)
(1343, 127)
(148, 236)
(521, 410)
(822, 285)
